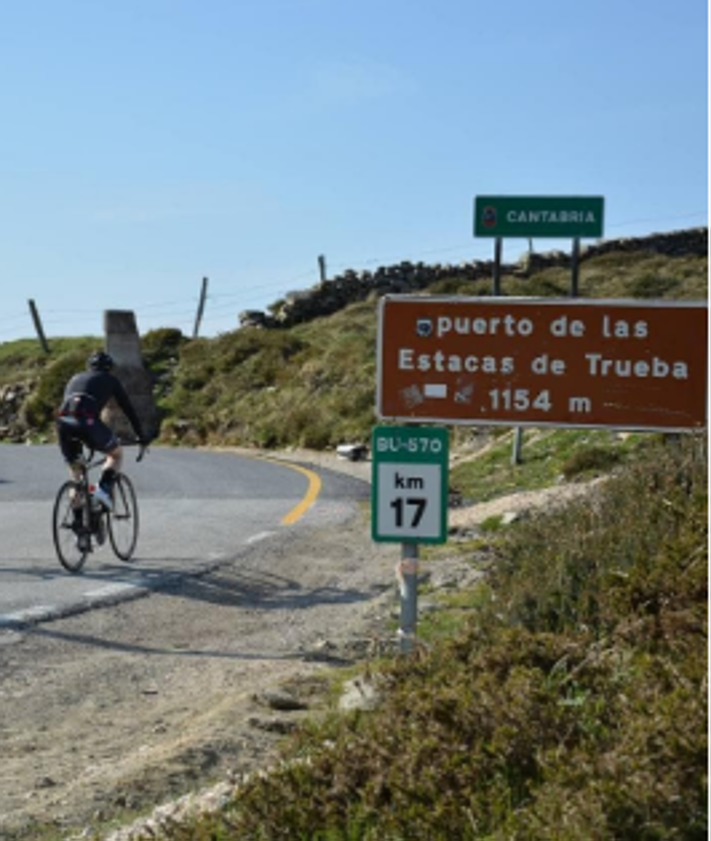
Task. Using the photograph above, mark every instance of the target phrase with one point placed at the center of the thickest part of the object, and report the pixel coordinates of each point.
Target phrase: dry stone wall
(333, 295)
(12, 427)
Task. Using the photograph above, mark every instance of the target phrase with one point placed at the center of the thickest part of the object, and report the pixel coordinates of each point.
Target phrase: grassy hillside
(311, 385)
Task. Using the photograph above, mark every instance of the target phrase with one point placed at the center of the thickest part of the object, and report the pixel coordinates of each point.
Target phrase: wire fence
(225, 300)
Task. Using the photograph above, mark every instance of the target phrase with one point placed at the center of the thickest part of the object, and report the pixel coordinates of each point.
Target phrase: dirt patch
(522, 502)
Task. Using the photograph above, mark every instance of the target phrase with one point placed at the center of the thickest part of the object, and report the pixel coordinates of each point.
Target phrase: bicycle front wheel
(71, 546)
(123, 519)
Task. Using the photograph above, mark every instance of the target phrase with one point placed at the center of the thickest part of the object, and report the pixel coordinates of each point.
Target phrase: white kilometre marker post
(409, 504)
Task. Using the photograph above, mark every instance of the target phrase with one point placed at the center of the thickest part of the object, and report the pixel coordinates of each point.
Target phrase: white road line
(262, 535)
(29, 615)
(112, 590)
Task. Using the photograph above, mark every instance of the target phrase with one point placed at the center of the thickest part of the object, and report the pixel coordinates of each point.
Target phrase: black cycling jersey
(87, 393)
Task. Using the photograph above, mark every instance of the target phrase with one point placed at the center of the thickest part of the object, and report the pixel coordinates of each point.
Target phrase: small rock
(359, 694)
(281, 700)
(273, 725)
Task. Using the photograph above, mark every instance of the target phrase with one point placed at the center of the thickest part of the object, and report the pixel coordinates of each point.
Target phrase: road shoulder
(118, 710)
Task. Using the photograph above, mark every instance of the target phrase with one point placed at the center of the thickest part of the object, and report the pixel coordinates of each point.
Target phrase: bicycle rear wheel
(123, 520)
(66, 539)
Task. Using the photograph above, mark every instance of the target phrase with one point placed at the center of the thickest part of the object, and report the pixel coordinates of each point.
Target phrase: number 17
(399, 504)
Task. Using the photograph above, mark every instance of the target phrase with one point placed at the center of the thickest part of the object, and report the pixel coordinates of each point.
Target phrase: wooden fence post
(38, 326)
(201, 308)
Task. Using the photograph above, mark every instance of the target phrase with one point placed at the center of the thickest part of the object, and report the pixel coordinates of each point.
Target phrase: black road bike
(80, 522)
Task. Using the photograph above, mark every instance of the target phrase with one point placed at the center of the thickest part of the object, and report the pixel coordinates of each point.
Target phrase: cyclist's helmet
(100, 361)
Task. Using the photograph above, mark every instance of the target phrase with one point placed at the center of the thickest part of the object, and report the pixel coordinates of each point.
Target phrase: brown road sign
(543, 362)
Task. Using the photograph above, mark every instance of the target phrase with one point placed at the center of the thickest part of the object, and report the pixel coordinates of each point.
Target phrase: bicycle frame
(74, 534)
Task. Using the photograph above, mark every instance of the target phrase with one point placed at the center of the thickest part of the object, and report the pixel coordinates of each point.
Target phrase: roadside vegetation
(551, 456)
(569, 701)
(565, 695)
(311, 385)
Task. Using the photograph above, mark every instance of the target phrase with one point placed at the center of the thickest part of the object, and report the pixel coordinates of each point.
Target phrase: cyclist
(79, 420)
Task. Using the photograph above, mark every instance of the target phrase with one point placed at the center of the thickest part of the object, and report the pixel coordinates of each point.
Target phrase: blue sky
(147, 144)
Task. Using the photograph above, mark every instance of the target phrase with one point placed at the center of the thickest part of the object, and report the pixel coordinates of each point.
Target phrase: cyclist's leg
(71, 448)
(111, 468)
(105, 441)
(69, 441)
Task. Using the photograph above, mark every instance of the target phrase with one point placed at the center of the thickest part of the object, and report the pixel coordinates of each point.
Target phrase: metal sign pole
(575, 268)
(408, 570)
(517, 446)
(497, 268)
(496, 290)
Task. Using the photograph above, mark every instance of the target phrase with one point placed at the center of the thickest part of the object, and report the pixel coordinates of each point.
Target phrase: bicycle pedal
(84, 543)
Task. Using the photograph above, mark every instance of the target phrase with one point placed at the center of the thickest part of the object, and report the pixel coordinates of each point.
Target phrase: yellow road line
(311, 494)
(309, 497)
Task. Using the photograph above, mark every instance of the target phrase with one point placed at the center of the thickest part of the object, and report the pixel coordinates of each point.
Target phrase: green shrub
(652, 286)
(454, 286)
(162, 342)
(589, 460)
(41, 407)
(605, 542)
(551, 283)
(492, 524)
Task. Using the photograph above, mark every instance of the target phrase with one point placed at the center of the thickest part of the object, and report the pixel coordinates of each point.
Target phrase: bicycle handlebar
(142, 447)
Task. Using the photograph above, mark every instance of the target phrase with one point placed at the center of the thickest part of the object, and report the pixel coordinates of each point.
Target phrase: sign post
(409, 503)
(537, 216)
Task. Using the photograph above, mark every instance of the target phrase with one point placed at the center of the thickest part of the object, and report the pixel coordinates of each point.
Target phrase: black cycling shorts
(72, 432)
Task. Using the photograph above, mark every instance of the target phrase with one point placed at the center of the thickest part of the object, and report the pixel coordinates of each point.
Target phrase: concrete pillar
(123, 344)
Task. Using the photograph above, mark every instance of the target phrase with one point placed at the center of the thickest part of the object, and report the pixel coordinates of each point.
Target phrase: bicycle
(79, 520)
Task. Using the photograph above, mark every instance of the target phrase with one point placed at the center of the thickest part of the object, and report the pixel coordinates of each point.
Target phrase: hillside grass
(634, 274)
(547, 457)
(571, 703)
(312, 385)
(24, 360)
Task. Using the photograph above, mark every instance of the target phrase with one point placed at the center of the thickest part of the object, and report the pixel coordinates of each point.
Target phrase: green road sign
(564, 217)
(410, 484)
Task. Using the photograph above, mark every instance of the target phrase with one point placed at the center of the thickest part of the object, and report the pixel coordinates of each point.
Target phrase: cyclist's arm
(127, 407)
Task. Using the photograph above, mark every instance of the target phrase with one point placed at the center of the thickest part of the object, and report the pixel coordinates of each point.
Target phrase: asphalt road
(198, 510)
